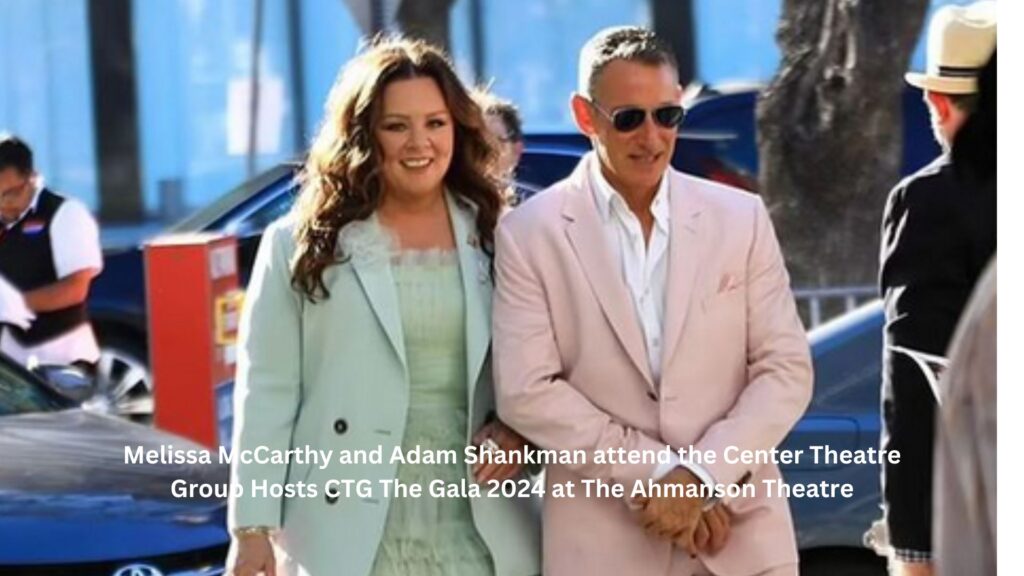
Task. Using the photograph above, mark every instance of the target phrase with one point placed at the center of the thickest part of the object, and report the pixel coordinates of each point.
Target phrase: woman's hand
(508, 441)
(251, 554)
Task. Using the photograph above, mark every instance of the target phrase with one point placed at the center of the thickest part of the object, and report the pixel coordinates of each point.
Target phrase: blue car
(70, 504)
(726, 119)
(843, 415)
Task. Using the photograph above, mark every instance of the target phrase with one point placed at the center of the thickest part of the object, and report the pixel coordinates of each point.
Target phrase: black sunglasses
(630, 118)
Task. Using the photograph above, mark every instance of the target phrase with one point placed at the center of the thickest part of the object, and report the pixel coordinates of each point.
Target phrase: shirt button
(340, 426)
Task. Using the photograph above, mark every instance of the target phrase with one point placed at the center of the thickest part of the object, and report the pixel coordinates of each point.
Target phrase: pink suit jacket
(572, 372)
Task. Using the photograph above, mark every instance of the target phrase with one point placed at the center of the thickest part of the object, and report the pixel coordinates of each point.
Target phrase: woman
(367, 323)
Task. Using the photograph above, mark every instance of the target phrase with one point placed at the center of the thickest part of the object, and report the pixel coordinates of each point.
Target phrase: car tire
(124, 382)
(841, 562)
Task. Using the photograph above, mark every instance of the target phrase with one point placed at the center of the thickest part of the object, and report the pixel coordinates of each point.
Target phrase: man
(965, 456)
(50, 252)
(504, 123)
(938, 233)
(637, 307)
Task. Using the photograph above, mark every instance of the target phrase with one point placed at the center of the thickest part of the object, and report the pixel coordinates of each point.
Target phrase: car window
(265, 214)
(542, 167)
(20, 394)
(217, 211)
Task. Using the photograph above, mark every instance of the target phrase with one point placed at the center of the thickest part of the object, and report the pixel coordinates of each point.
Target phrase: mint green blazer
(333, 375)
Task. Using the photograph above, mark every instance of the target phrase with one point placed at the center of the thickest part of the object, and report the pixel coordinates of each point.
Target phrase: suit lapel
(378, 285)
(476, 288)
(585, 232)
(686, 254)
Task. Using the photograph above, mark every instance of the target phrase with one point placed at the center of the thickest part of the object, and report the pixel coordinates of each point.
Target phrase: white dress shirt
(644, 269)
(75, 241)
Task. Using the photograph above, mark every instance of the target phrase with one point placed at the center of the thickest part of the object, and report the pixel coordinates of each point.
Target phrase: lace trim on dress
(367, 242)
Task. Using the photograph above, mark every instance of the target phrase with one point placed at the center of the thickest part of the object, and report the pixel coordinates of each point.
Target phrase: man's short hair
(503, 109)
(966, 103)
(14, 153)
(631, 43)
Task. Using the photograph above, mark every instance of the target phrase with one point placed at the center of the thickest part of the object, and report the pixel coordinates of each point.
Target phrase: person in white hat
(960, 41)
(938, 233)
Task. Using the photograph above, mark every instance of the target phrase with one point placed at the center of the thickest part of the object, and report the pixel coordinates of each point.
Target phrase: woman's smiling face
(416, 135)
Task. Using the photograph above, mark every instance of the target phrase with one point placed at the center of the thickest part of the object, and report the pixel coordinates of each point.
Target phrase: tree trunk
(116, 110)
(426, 19)
(673, 21)
(830, 132)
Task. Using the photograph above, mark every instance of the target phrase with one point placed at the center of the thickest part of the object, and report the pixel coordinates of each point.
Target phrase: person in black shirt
(938, 233)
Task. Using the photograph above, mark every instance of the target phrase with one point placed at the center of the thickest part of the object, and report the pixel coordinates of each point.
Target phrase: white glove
(13, 309)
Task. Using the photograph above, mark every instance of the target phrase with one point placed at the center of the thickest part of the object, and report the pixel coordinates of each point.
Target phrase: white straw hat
(960, 41)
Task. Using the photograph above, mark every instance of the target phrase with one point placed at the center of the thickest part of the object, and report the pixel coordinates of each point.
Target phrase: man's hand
(713, 530)
(674, 518)
(508, 441)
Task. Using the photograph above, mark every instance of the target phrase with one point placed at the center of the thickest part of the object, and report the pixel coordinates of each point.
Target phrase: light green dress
(428, 536)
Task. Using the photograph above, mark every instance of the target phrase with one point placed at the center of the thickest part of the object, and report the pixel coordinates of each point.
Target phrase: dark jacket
(938, 233)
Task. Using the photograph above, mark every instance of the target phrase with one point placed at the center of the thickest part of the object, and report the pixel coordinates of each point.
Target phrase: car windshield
(21, 392)
(261, 213)
(207, 216)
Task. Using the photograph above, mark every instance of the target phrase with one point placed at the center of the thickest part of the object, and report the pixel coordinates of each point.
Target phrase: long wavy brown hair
(341, 177)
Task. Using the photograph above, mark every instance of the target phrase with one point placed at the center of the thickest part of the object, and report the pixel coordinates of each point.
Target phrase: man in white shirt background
(49, 253)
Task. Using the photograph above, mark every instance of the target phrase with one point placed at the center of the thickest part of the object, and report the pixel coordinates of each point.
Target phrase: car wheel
(124, 383)
(841, 562)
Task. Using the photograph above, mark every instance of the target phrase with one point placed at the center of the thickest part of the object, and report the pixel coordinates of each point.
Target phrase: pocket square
(728, 283)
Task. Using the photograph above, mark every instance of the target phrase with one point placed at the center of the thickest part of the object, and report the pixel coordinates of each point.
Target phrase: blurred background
(141, 108)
